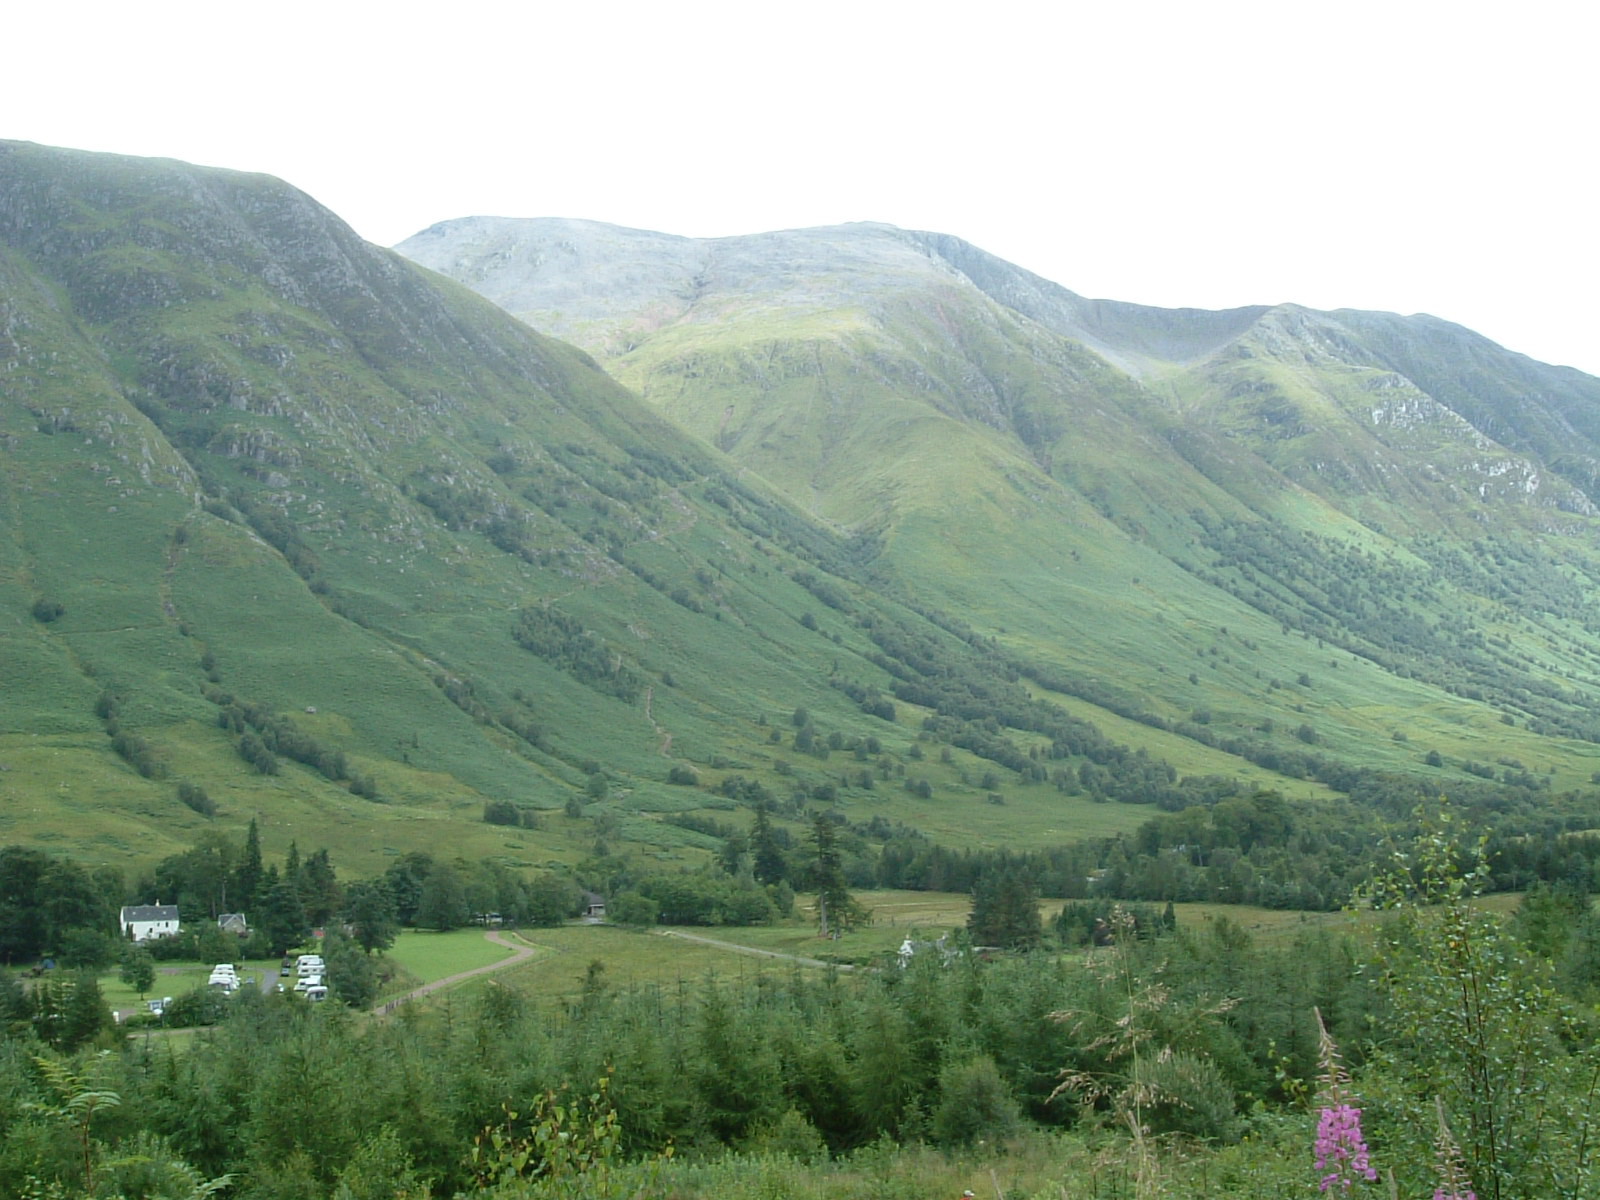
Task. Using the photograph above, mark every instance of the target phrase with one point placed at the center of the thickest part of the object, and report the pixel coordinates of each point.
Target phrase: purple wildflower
(1341, 1152)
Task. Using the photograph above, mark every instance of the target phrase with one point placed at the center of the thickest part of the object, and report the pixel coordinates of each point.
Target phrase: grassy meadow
(572, 955)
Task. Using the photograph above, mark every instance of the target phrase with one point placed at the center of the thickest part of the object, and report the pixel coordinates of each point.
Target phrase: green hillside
(297, 531)
(298, 525)
(1269, 518)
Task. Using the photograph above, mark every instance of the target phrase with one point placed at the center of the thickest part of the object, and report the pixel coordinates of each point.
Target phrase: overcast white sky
(1407, 156)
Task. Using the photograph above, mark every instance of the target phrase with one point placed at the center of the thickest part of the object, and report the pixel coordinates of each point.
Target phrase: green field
(631, 958)
(176, 978)
(430, 956)
(567, 957)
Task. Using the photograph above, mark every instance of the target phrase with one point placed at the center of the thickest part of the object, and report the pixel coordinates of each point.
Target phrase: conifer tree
(247, 872)
(72, 1012)
(766, 855)
(282, 918)
(319, 888)
(837, 909)
(1005, 910)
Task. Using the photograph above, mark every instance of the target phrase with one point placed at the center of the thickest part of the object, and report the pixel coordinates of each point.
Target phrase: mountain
(1373, 529)
(298, 531)
(294, 529)
(647, 304)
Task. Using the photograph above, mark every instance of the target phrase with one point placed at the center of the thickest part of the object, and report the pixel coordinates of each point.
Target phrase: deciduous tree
(138, 969)
(370, 912)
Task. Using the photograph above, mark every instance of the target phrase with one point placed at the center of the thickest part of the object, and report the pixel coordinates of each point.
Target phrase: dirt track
(738, 949)
(521, 954)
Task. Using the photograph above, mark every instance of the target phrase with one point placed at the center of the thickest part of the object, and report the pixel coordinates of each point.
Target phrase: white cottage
(141, 922)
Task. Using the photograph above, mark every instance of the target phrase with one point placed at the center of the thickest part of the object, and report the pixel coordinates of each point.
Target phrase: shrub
(633, 910)
(1190, 1097)
(974, 1104)
(199, 1007)
(791, 1136)
(501, 812)
(195, 797)
(139, 754)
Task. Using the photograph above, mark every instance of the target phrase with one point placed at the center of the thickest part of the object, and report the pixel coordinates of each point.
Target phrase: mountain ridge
(275, 498)
(1379, 430)
(1148, 342)
(329, 422)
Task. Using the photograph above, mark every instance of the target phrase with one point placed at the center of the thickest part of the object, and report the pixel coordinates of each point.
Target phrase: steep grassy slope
(295, 530)
(290, 520)
(1370, 532)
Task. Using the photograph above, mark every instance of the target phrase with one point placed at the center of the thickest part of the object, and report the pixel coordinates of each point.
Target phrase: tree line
(1441, 1011)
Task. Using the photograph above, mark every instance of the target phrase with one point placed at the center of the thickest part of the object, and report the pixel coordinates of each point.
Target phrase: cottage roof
(149, 912)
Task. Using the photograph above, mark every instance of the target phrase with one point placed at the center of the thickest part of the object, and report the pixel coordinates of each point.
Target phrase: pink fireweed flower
(1341, 1152)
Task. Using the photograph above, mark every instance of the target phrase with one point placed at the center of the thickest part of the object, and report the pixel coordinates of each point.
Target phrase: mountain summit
(1263, 375)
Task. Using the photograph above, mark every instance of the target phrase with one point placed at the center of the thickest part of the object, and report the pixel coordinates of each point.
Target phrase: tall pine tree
(766, 856)
(837, 909)
(282, 918)
(247, 873)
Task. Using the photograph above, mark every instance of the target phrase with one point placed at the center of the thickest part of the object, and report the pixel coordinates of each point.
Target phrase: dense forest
(1167, 1049)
